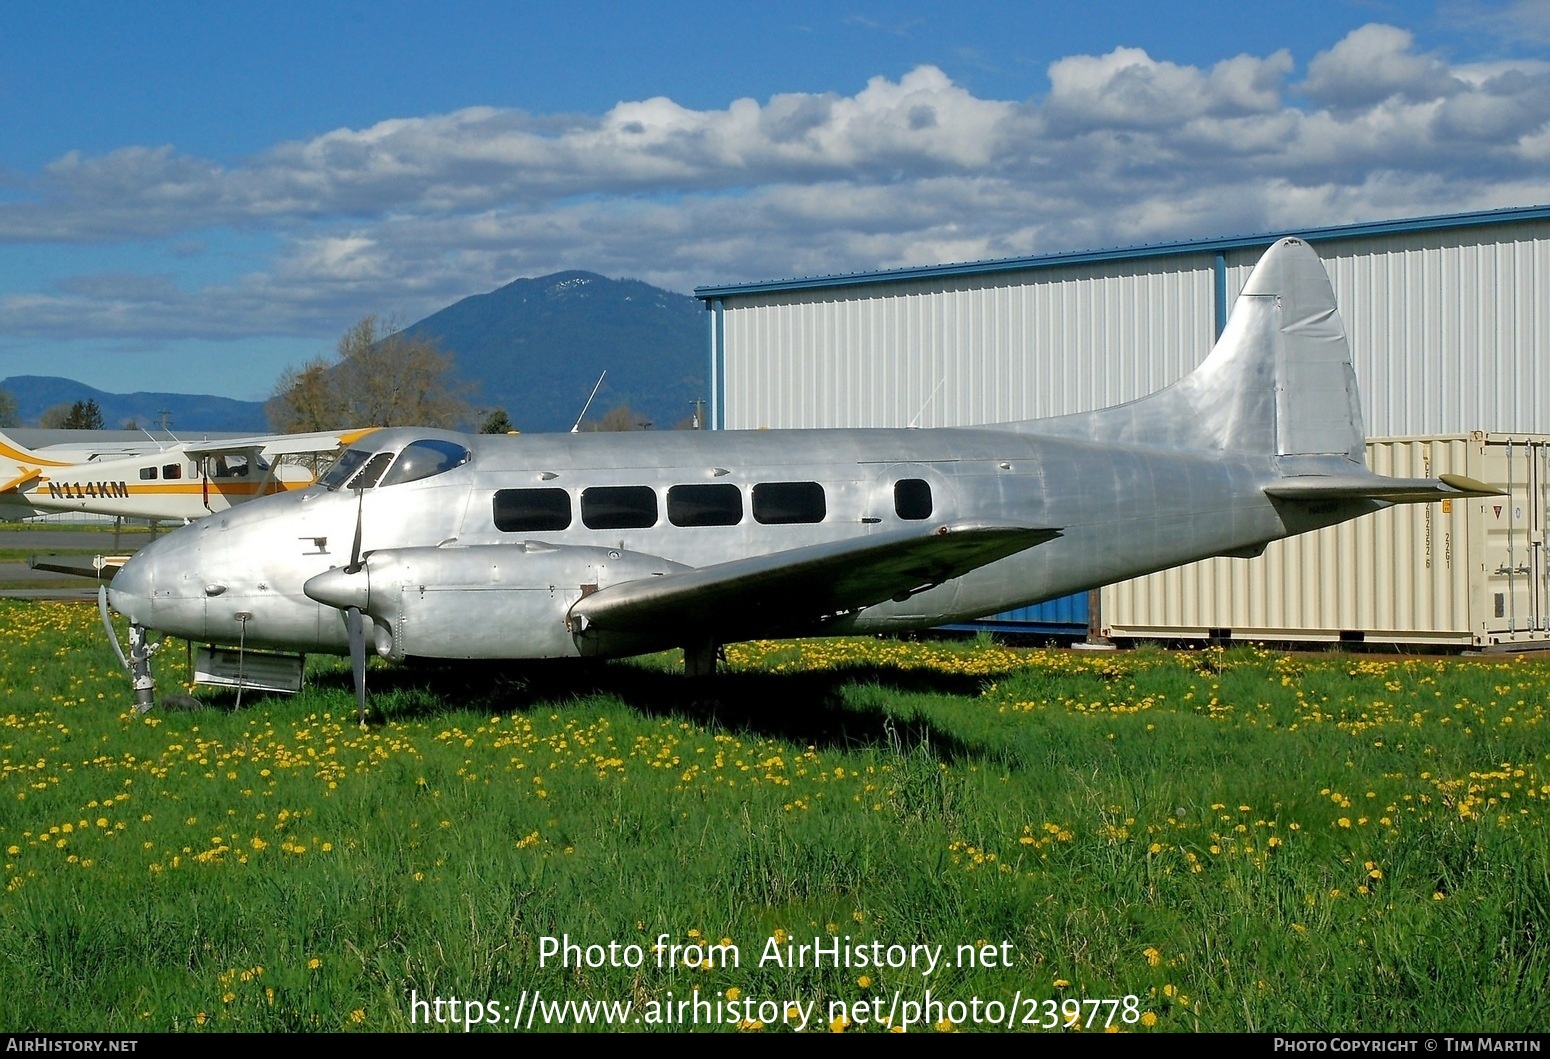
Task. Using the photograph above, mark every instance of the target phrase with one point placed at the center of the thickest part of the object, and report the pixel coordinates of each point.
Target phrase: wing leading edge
(801, 588)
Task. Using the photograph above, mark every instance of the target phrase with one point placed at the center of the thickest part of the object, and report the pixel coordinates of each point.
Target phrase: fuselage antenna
(584, 407)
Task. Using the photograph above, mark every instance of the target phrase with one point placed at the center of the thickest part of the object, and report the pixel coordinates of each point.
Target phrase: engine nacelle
(483, 601)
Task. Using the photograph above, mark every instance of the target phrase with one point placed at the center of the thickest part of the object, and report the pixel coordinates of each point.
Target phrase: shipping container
(1469, 573)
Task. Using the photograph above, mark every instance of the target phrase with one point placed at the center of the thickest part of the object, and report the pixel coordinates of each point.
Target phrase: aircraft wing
(802, 587)
(1377, 487)
(278, 444)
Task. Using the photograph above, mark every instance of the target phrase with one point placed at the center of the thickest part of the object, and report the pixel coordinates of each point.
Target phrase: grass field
(1214, 840)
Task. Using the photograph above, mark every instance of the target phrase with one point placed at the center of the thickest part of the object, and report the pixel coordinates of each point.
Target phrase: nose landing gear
(138, 662)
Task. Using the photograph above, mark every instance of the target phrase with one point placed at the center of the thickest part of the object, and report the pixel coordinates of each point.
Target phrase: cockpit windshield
(347, 464)
(362, 468)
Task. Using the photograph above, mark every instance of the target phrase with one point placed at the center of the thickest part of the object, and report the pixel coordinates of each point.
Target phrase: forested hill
(36, 394)
(535, 347)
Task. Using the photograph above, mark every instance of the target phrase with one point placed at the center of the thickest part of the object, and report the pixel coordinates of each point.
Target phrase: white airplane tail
(1278, 382)
(20, 465)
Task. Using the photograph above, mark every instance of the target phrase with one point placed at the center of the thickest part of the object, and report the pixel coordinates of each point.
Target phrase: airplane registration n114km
(425, 543)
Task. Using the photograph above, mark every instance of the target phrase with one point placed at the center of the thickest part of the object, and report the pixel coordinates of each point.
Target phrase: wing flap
(803, 587)
(1377, 487)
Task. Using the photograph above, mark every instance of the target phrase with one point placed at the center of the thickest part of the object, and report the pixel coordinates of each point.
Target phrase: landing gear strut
(700, 658)
(138, 662)
(140, 652)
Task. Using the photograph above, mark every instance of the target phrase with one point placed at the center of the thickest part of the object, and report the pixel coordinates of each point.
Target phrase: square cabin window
(912, 499)
(787, 503)
(532, 510)
(619, 507)
(720, 504)
(172, 470)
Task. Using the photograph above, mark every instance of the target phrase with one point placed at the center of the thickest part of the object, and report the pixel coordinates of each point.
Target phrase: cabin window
(172, 470)
(912, 499)
(619, 507)
(422, 459)
(232, 465)
(532, 510)
(705, 505)
(785, 503)
(147, 474)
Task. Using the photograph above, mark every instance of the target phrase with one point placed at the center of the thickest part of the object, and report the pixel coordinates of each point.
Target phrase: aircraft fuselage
(474, 562)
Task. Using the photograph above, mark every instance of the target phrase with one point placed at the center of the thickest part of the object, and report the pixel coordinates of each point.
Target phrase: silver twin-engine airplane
(423, 543)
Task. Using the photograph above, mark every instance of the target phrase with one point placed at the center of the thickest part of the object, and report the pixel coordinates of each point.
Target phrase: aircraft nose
(132, 589)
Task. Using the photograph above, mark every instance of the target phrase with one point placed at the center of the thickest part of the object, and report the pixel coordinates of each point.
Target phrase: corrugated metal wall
(1450, 330)
(966, 350)
(1469, 572)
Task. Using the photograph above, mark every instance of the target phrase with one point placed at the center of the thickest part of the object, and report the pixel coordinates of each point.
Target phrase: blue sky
(195, 195)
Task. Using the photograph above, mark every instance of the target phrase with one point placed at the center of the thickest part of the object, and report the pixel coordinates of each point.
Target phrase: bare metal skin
(1262, 441)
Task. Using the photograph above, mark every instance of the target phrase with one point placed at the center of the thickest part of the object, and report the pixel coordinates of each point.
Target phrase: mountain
(36, 394)
(535, 347)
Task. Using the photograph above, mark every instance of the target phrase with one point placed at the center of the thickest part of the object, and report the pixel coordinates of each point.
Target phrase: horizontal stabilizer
(28, 474)
(798, 589)
(1377, 487)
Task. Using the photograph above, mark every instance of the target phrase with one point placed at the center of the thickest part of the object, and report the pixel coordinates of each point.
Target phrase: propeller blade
(355, 628)
(355, 548)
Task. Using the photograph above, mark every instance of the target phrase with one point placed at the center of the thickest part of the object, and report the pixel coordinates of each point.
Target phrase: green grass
(1238, 840)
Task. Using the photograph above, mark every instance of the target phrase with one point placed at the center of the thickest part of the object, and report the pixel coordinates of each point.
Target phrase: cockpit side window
(346, 465)
(421, 459)
(371, 472)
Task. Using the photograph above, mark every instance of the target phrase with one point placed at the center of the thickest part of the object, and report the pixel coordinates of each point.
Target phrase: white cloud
(1376, 63)
(409, 214)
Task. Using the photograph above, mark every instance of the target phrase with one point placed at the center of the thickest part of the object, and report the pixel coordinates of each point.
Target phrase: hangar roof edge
(1482, 218)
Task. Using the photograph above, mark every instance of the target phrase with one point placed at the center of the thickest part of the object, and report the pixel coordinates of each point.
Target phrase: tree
(9, 417)
(497, 422)
(379, 377)
(619, 418)
(82, 415)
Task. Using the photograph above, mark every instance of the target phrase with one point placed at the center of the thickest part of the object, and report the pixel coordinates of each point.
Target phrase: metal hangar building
(1449, 323)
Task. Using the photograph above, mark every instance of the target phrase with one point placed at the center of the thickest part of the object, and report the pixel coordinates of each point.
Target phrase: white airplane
(424, 543)
(177, 482)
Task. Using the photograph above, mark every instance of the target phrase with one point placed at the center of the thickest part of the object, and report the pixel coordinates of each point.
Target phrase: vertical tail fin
(1279, 381)
(20, 465)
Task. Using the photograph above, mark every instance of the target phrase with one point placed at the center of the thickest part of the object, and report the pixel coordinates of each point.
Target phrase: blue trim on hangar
(1218, 246)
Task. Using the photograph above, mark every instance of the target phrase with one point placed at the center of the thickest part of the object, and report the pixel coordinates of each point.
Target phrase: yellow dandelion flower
(1148, 1019)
